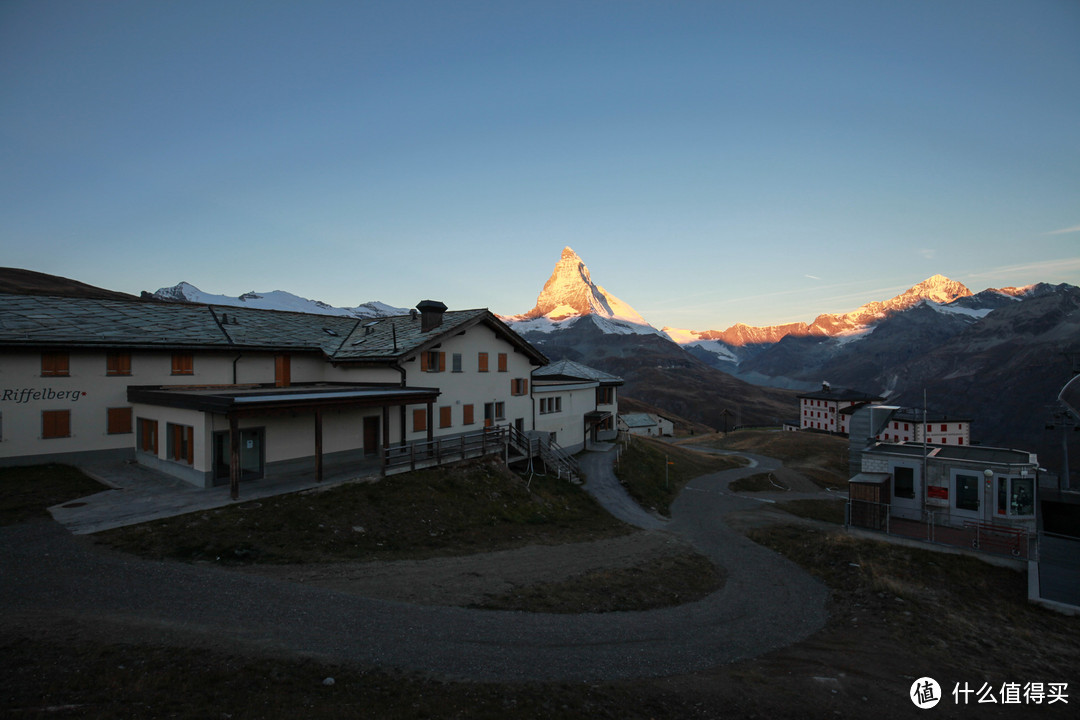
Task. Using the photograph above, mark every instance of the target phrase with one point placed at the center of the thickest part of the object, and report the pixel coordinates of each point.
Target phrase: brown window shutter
(423, 362)
(442, 362)
(119, 421)
(419, 420)
(467, 412)
(55, 364)
(502, 362)
(482, 359)
(445, 416)
(282, 370)
(525, 386)
(55, 423)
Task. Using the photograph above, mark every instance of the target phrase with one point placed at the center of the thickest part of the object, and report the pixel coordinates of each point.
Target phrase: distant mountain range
(273, 300)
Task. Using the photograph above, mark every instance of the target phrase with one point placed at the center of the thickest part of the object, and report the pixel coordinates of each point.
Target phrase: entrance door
(251, 454)
(371, 435)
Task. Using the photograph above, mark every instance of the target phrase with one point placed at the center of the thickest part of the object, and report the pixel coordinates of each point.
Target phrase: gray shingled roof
(570, 370)
(638, 420)
(37, 321)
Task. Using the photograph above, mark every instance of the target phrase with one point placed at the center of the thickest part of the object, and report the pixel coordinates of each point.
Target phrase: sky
(711, 162)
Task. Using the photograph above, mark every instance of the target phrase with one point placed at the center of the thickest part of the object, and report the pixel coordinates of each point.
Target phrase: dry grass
(455, 510)
(643, 464)
(26, 492)
(821, 458)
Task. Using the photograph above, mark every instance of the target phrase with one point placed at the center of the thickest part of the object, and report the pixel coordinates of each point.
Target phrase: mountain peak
(936, 288)
(570, 293)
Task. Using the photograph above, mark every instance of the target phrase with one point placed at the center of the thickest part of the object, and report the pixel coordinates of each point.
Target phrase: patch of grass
(821, 458)
(660, 582)
(759, 482)
(830, 511)
(27, 491)
(454, 510)
(953, 609)
(641, 470)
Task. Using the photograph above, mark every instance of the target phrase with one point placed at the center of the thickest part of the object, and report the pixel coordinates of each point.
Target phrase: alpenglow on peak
(570, 293)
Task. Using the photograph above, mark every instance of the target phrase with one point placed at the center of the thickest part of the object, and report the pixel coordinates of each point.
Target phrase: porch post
(318, 445)
(430, 422)
(234, 457)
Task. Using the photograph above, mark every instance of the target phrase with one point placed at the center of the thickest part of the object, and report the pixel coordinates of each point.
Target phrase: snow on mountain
(937, 289)
(570, 295)
(274, 300)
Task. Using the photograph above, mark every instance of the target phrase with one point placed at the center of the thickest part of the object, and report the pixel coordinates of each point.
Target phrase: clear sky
(712, 162)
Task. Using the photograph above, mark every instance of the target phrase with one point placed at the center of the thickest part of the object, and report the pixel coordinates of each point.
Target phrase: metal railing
(554, 457)
(942, 528)
(429, 453)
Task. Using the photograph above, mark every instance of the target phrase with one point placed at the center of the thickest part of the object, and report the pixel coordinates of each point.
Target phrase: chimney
(431, 312)
(825, 387)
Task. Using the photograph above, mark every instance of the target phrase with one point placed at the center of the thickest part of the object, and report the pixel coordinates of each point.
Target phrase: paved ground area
(766, 603)
(140, 494)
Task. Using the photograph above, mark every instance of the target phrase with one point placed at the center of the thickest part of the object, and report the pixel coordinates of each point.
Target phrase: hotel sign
(21, 396)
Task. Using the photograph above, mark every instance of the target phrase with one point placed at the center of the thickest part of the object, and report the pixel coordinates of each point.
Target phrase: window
(54, 364)
(606, 396)
(180, 443)
(432, 361)
(943, 428)
(519, 386)
(502, 362)
(183, 364)
(482, 361)
(904, 482)
(456, 358)
(55, 423)
(419, 420)
(467, 413)
(500, 411)
(118, 363)
(282, 370)
(551, 404)
(1016, 496)
(967, 492)
(445, 416)
(118, 421)
(147, 436)
(494, 411)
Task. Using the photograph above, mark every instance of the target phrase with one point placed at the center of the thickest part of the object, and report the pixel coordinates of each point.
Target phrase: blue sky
(712, 162)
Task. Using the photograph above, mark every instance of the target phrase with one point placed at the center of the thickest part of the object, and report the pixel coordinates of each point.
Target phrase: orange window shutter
(525, 386)
(483, 360)
(467, 412)
(419, 420)
(502, 362)
(423, 362)
(444, 417)
(442, 362)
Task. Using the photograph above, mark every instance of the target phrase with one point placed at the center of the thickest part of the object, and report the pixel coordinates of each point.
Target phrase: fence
(442, 450)
(942, 528)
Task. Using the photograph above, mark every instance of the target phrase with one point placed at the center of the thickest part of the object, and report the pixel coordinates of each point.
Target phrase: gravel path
(766, 603)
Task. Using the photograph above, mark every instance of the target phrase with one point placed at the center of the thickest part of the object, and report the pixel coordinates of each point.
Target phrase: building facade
(829, 410)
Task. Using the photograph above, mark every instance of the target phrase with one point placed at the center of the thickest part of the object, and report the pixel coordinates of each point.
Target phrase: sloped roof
(570, 370)
(840, 395)
(49, 321)
(638, 420)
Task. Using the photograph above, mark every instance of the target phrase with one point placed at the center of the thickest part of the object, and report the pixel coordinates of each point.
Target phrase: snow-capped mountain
(937, 289)
(570, 295)
(274, 300)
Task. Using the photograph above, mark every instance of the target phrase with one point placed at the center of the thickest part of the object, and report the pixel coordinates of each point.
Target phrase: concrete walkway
(140, 494)
(766, 603)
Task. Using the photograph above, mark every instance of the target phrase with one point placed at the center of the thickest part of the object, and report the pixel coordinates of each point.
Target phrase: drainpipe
(235, 360)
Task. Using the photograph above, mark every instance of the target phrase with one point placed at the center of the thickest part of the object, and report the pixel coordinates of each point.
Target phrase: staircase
(554, 457)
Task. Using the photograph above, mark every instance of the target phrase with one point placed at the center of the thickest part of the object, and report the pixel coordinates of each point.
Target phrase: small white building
(646, 424)
(574, 404)
(909, 425)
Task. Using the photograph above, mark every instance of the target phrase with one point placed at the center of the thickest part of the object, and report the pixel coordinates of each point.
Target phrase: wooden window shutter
(282, 370)
(119, 421)
(442, 362)
(502, 362)
(419, 420)
(482, 359)
(467, 412)
(183, 364)
(55, 423)
(423, 362)
(118, 364)
(54, 364)
(525, 386)
(445, 416)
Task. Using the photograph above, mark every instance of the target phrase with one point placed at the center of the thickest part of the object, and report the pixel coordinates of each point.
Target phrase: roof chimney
(431, 313)
(825, 387)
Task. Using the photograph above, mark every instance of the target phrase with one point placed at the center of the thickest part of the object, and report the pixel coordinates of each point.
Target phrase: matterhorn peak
(570, 293)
